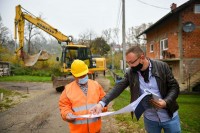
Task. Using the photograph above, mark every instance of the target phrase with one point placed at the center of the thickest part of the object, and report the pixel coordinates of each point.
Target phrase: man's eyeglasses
(133, 61)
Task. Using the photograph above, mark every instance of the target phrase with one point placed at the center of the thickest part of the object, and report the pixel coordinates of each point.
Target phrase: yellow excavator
(70, 51)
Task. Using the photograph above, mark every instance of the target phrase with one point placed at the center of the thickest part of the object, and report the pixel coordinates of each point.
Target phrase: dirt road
(39, 113)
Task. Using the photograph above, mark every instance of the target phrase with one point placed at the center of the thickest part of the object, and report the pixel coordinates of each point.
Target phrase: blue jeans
(171, 126)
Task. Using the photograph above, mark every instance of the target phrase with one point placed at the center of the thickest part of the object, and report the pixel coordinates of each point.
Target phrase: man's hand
(68, 118)
(95, 110)
(158, 103)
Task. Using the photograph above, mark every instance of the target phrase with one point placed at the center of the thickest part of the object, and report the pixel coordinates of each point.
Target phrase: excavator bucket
(30, 60)
(43, 56)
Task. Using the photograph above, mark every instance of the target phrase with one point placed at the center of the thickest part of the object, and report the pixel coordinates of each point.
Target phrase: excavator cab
(72, 52)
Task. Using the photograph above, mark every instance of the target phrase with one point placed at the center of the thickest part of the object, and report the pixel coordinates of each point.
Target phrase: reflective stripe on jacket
(73, 100)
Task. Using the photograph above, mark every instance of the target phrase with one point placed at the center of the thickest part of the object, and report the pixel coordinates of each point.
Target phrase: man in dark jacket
(156, 76)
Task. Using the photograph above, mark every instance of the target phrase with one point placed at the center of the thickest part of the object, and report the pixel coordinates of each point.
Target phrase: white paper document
(129, 108)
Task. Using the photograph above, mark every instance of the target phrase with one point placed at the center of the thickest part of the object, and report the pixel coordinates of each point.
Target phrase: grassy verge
(25, 78)
(128, 124)
(10, 98)
(189, 112)
(112, 82)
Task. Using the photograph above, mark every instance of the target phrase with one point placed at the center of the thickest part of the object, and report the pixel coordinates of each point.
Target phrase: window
(164, 44)
(163, 47)
(83, 53)
(151, 47)
(197, 8)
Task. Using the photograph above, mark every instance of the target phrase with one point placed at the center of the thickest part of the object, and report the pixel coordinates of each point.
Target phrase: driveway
(39, 113)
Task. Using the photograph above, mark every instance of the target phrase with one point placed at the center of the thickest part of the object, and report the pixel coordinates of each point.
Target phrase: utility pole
(123, 35)
(112, 49)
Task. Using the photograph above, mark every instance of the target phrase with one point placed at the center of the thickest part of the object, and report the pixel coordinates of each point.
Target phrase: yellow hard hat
(79, 68)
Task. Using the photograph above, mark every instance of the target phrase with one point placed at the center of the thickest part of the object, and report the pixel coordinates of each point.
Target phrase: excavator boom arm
(20, 23)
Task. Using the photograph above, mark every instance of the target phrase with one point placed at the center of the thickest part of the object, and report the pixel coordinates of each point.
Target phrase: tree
(116, 35)
(4, 32)
(86, 38)
(6, 40)
(34, 37)
(111, 35)
(106, 34)
(39, 43)
(53, 47)
(100, 46)
(134, 31)
(30, 32)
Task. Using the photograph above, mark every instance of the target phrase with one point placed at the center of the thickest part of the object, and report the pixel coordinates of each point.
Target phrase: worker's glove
(68, 117)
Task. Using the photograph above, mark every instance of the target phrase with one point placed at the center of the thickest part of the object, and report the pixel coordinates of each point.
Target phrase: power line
(153, 5)
(119, 15)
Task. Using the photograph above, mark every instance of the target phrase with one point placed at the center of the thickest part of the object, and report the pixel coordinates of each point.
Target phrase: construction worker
(78, 97)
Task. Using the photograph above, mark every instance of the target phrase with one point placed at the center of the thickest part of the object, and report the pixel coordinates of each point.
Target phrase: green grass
(8, 101)
(119, 72)
(189, 112)
(6, 92)
(8, 98)
(112, 82)
(125, 120)
(25, 78)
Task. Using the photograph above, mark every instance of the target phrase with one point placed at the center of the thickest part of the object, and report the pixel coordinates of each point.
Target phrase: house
(175, 39)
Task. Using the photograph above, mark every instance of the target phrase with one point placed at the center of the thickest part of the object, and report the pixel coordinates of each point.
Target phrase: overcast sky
(73, 17)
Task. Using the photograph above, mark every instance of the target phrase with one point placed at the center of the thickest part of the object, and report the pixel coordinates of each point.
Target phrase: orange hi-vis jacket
(73, 100)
